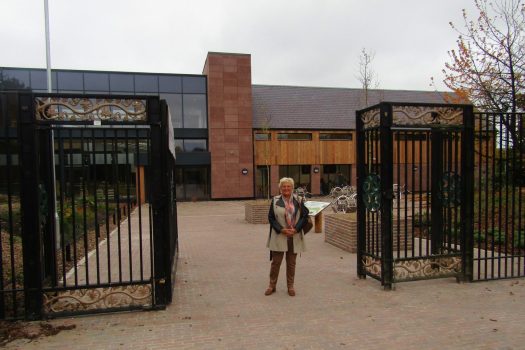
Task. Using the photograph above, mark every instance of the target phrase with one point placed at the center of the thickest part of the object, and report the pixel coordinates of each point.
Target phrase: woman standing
(287, 217)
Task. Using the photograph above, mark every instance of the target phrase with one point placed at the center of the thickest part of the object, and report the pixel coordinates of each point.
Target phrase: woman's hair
(286, 180)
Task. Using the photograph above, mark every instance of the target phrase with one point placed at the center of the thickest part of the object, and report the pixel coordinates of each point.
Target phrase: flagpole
(48, 51)
(50, 90)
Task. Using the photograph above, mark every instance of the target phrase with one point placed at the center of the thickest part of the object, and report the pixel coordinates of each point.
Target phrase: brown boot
(277, 258)
(290, 272)
(269, 291)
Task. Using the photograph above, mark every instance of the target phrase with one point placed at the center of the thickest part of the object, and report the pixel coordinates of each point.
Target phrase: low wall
(341, 231)
(256, 212)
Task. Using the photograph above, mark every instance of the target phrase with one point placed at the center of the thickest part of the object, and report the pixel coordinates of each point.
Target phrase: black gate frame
(378, 121)
(38, 222)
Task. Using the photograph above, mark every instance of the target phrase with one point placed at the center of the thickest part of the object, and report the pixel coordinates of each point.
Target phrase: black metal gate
(415, 188)
(97, 198)
(499, 193)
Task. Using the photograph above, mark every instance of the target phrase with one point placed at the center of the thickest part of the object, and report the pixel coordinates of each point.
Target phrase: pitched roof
(298, 107)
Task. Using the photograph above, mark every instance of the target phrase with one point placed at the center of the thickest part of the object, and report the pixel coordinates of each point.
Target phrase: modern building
(231, 135)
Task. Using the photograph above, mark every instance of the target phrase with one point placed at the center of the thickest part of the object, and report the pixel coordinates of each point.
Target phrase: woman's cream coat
(278, 242)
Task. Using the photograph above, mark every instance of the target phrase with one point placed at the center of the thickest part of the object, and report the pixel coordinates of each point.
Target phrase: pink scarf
(289, 213)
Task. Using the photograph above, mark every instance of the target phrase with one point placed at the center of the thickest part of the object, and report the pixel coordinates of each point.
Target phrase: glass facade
(299, 173)
(333, 175)
(192, 183)
(184, 94)
(261, 182)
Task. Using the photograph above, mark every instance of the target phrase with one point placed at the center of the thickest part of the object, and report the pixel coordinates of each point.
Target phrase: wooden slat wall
(335, 152)
(280, 152)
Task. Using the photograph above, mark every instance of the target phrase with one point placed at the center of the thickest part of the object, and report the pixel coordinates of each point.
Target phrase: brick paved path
(219, 302)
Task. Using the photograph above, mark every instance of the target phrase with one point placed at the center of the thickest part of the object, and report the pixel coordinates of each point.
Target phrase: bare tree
(367, 76)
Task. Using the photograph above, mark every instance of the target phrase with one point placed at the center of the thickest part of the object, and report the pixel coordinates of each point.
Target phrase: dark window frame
(268, 136)
(282, 137)
(335, 136)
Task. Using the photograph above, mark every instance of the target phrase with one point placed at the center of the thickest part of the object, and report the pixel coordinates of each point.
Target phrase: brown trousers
(277, 258)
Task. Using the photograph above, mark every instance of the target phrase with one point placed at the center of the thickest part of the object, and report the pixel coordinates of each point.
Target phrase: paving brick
(219, 301)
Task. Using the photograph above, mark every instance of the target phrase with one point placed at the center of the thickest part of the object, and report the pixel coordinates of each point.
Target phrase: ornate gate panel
(415, 197)
(96, 181)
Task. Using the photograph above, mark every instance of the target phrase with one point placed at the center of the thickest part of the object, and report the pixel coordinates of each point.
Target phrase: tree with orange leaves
(488, 66)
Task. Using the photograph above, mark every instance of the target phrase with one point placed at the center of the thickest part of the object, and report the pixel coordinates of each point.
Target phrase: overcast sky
(299, 42)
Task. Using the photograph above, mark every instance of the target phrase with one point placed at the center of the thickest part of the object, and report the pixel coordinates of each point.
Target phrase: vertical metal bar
(361, 213)
(116, 184)
(412, 192)
(106, 178)
(437, 211)
(430, 197)
(423, 222)
(84, 204)
(62, 196)
(521, 153)
(386, 190)
(398, 180)
(139, 202)
(467, 190)
(506, 162)
(150, 206)
(500, 191)
(513, 202)
(491, 139)
(73, 209)
(405, 185)
(457, 170)
(128, 204)
(449, 166)
(95, 199)
(376, 225)
(493, 193)
(480, 136)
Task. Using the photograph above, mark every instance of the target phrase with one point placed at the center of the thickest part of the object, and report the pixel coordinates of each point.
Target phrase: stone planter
(256, 212)
(341, 231)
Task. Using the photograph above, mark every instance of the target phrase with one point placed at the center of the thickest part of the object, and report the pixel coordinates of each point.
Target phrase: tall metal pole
(48, 51)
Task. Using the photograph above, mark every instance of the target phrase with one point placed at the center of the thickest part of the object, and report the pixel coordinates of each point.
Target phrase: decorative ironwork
(98, 298)
(450, 189)
(372, 265)
(425, 268)
(426, 115)
(90, 109)
(372, 192)
(371, 118)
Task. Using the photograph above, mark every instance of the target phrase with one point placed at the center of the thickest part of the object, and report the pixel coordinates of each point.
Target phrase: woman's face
(286, 189)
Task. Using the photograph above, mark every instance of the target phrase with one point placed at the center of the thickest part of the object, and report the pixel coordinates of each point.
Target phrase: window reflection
(194, 111)
(195, 145)
(174, 102)
(14, 79)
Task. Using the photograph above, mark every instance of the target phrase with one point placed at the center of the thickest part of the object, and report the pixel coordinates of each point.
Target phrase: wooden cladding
(295, 150)
(407, 148)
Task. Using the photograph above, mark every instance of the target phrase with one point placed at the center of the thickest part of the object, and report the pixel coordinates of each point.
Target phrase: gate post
(158, 203)
(29, 199)
(467, 194)
(48, 223)
(361, 213)
(386, 153)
